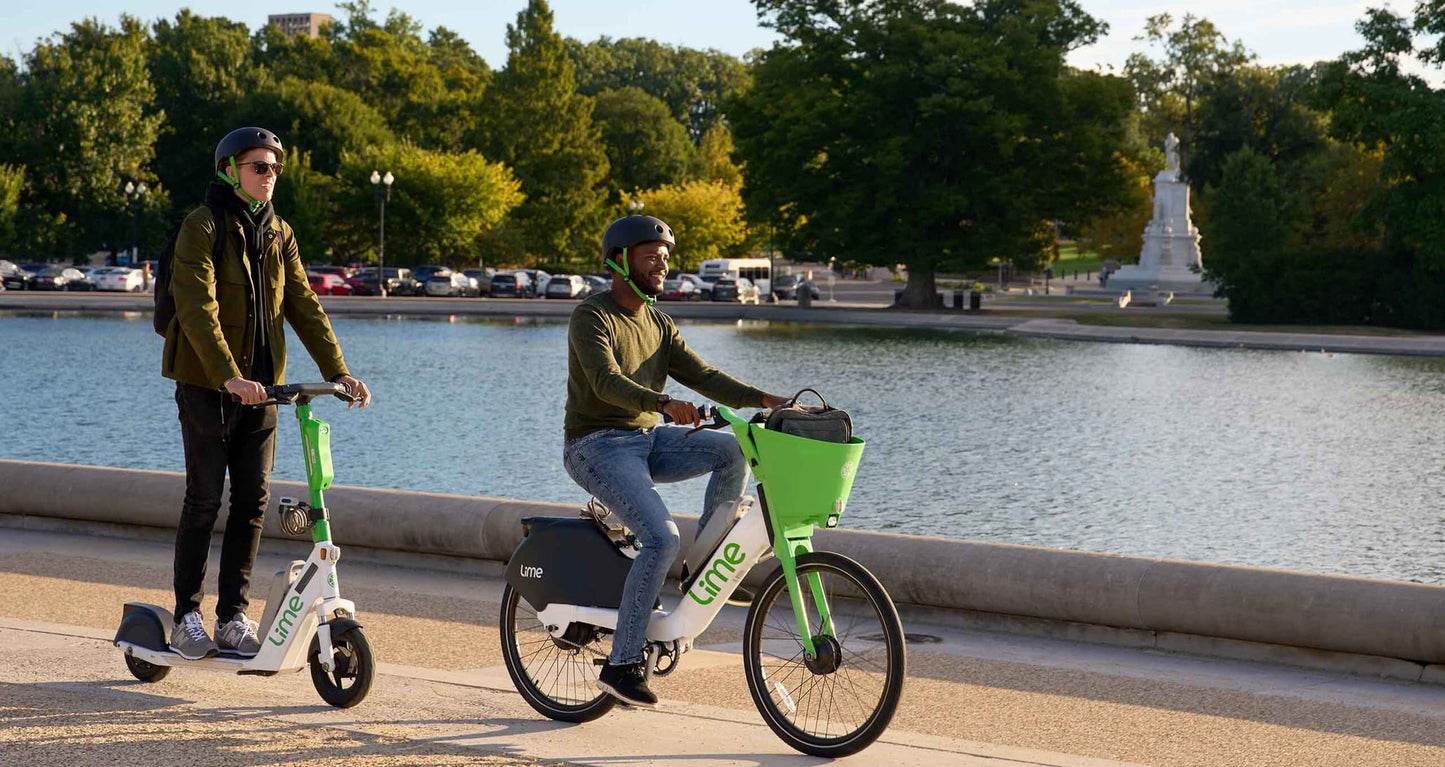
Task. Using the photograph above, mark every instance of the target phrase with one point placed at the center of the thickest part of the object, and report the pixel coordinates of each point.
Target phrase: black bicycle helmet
(241, 139)
(627, 231)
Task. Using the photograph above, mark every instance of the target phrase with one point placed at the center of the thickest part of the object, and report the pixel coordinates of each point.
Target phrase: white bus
(759, 270)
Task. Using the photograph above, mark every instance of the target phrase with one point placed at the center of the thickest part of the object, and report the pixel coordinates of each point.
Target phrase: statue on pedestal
(1170, 259)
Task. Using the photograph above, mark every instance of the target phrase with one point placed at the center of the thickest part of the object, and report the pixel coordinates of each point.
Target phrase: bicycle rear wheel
(556, 676)
(841, 701)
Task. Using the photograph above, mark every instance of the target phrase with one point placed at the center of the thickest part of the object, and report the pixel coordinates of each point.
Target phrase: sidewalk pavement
(973, 698)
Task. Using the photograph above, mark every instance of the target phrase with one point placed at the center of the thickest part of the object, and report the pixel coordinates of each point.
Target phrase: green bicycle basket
(806, 481)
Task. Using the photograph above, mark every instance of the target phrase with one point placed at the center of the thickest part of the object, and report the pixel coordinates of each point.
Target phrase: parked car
(512, 285)
(59, 278)
(119, 278)
(481, 279)
(677, 289)
(328, 284)
(785, 286)
(704, 288)
(398, 282)
(423, 273)
(539, 281)
(566, 286)
(735, 289)
(596, 284)
(449, 284)
(13, 277)
(340, 271)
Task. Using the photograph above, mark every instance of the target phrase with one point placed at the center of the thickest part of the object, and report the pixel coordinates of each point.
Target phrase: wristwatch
(662, 400)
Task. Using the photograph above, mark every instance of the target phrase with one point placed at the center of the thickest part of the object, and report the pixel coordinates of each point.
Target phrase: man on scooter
(225, 344)
(620, 352)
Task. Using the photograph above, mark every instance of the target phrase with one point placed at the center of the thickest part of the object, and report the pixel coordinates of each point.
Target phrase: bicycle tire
(820, 708)
(557, 678)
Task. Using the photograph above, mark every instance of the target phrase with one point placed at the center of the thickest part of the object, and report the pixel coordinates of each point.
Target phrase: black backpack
(165, 302)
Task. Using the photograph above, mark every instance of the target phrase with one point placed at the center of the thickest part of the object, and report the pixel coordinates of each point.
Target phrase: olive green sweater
(618, 362)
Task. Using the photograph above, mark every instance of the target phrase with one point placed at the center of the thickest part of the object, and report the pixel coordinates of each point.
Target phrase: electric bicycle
(823, 647)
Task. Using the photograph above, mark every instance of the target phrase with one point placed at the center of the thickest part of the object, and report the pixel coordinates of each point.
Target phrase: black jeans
(221, 435)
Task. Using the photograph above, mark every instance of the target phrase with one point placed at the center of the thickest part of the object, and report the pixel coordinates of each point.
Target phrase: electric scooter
(306, 620)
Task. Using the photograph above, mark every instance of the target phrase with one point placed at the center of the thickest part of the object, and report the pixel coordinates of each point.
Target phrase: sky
(1278, 31)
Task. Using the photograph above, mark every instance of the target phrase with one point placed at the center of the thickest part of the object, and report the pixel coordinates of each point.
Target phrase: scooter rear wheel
(556, 676)
(144, 670)
(353, 669)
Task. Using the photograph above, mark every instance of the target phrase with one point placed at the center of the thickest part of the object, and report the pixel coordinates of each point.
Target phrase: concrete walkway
(973, 698)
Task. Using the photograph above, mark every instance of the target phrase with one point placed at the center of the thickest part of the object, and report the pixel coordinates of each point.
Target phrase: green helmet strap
(627, 278)
(235, 183)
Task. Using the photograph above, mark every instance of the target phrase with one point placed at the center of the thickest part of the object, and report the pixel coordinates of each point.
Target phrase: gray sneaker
(189, 638)
(238, 636)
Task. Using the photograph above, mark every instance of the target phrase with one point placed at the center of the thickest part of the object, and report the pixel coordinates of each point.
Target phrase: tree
(84, 127)
(927, 132)
(323, 120)
(1265, 108)
(441, 205)
(706, 218)
(1170, 88)
(12, 182)
(692, 83)
(536, 123)
(714, 158)
(305, 197)
(645, 146)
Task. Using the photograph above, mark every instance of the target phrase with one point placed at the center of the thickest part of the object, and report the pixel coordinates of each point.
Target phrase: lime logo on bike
(530, 571)
(286, 622)
(711, 580)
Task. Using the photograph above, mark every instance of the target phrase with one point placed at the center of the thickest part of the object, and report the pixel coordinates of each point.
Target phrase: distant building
(291, 23)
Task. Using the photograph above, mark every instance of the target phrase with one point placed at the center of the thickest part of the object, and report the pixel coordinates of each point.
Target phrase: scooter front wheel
(145, 670)
(353, 668)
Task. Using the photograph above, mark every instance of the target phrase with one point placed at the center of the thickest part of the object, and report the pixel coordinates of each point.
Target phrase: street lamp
(133, 194)
(634, 208)
(831, 259)
(382, 186)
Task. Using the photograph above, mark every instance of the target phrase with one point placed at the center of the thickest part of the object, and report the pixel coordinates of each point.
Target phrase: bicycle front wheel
(557, 676)
(842, 700)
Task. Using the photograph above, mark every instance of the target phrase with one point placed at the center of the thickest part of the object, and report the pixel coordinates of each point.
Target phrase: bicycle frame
(788, 536)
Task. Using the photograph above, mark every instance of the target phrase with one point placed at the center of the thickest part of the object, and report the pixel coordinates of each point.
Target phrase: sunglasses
(262, 168)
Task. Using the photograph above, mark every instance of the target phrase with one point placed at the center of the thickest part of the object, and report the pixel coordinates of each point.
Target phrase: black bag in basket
(823, 422)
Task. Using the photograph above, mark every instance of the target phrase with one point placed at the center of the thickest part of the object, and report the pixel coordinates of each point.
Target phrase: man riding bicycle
(620, 352)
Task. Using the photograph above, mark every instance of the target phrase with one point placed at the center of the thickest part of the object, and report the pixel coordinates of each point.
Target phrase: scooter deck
(225, 661)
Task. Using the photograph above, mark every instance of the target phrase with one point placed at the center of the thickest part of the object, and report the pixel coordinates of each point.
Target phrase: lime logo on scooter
(286, 622)
(711, 580)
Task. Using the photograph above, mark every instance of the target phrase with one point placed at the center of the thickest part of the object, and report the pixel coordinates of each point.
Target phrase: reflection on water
(1304, 461)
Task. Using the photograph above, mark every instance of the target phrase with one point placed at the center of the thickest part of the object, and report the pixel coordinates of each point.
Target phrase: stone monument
(1171, 243)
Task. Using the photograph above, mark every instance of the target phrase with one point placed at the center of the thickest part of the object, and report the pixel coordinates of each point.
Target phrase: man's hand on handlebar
(248, 392)
(682, 413)
(359, 392)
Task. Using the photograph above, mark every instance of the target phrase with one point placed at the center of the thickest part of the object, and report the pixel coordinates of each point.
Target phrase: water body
(1311, 462)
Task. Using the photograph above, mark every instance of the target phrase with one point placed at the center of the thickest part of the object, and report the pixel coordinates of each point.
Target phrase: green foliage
(200, 68)
(645, 146)
(441, 205)
(1251, 219)
(314, 117)
(927, 132)
(1262, 107)
(714, 158)
(537, 123)
(706, 216)
(304, 197)
(85, 127)
(693, 84)
(12, 181)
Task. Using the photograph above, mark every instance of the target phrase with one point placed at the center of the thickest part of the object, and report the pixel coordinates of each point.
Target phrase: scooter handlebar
(287, 394)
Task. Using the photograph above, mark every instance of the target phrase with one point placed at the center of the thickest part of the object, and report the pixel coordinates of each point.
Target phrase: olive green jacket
(211, 339)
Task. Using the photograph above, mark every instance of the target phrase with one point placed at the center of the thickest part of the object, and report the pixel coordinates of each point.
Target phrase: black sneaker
(628, 684)
(741, 597)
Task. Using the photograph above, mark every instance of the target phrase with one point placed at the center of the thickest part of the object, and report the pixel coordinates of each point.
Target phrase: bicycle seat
(612, 527)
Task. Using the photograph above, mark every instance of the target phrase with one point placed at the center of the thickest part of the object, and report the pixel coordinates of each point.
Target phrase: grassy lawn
(1071, 259)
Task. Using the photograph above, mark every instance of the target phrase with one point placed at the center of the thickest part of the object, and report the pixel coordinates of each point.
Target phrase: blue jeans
(619, 466)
